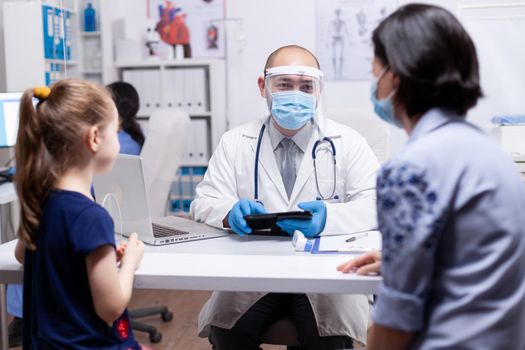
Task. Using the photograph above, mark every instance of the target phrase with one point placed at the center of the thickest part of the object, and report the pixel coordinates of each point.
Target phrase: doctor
(294, 158)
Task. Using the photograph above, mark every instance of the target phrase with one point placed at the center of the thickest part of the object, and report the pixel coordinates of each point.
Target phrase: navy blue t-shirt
(58, 306)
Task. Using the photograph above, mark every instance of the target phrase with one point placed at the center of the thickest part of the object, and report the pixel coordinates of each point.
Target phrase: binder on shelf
(48, 73)
(182, 190)
(188, 157)
(68, 33)
(133, 77)
(56, 73)
(48, 15)
(149, 89)
(187, 89)
(169, 88)
(156, 88)
(58, 33)
(142, 86)
(200, 139)
(199, 90)
(178, 79)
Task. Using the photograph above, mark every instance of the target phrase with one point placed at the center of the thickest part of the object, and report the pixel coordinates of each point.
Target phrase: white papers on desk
(364, 242)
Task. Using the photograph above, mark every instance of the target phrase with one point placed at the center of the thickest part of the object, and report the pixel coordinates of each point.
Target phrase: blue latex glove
(236, 215)
(310, 228)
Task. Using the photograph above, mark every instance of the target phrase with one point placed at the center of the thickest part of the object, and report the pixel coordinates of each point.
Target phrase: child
(74, 295)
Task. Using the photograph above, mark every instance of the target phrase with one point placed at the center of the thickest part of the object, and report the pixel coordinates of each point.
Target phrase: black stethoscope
(314, 157)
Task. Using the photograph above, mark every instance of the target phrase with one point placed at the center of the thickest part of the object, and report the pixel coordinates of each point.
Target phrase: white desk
(7, 193)
(231, 263)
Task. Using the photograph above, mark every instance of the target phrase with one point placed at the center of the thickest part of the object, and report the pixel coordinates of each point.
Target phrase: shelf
(91, 71)
(191, 115)
(189, 165)
(185, 62)
(55, 61)
(90, 34)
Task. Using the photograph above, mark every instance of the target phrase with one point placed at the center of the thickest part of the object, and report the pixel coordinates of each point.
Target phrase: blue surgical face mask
(384, 108)
(292, 109)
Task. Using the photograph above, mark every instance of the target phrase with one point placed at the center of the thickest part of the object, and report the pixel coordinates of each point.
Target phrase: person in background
(14, 299)
(337, 188)
(75, 295)
(130, 135)
(450, 204)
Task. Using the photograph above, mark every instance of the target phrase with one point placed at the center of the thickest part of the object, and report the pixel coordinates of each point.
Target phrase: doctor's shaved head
(291, 55)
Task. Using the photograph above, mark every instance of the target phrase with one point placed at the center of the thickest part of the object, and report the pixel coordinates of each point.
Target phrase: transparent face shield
(292, 94)
(307, 80)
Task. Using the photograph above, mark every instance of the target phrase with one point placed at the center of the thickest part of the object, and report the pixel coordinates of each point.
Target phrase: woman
(130, 134)
(449, 204)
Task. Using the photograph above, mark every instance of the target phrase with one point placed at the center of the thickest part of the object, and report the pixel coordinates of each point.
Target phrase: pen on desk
(353, 238)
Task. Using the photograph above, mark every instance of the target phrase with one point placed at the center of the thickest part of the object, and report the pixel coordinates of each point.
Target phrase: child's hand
(363, 265)
(134, 250)
(121, 249)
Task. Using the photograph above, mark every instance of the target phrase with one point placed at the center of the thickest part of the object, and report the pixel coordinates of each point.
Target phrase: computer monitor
(9, 112)
(9, 116)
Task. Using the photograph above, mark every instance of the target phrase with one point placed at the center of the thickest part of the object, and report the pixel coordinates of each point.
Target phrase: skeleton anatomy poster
(344, 36)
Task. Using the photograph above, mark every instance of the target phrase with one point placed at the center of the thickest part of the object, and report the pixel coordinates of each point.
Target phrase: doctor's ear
(261, 83)
(92, 139)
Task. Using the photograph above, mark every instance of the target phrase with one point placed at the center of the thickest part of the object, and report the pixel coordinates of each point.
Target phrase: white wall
(257, 27)
(268, 25)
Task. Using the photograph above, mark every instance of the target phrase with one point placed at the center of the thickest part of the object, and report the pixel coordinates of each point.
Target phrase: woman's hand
(363, 265)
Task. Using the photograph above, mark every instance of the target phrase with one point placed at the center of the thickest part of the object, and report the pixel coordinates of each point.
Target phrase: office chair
(375, 131)
(283, 332)
(154, 335)
(161, 157)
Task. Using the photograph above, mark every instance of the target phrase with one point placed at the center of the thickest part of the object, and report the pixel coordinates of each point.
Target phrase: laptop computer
(124, 188)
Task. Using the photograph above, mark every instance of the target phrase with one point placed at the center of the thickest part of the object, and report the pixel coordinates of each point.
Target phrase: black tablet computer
(266, 224)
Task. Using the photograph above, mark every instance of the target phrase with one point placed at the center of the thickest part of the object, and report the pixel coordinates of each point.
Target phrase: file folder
(200, 140)
(189, 83)
(48, 15)
(169, 88)
(68, 34)
(199, 90)
(178, 93)
(58, 34)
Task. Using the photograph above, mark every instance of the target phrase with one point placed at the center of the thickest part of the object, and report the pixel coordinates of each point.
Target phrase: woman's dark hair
(127, 100)
(434, 57)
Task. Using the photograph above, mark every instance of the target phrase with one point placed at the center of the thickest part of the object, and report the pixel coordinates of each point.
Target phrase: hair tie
(41, 92)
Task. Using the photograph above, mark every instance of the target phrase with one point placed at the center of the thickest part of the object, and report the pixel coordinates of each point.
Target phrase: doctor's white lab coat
(230, 177)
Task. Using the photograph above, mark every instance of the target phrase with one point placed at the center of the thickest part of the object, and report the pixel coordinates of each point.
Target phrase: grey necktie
(288, 165)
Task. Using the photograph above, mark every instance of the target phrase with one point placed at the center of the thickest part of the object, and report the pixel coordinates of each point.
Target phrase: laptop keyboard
(160, 231)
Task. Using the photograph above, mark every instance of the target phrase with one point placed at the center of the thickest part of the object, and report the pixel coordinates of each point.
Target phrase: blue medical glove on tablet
(310, 228)
(239, 210)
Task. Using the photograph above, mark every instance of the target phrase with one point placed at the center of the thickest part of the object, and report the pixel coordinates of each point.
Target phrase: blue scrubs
(450, 209)
(127, 144)
(58, 311)
(14, 299)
